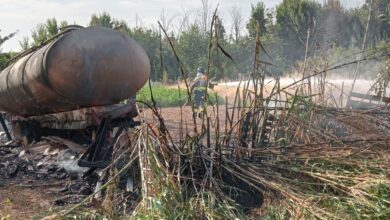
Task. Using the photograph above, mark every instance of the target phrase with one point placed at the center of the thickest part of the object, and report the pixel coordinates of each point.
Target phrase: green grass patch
(166, 96)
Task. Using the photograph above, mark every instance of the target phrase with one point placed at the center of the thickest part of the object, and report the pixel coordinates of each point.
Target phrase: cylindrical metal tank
(86, 67)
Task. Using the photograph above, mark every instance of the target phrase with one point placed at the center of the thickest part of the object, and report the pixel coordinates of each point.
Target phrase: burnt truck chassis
(96, 128)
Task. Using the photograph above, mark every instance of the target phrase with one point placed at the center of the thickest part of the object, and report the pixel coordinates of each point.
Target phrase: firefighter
(198, 92)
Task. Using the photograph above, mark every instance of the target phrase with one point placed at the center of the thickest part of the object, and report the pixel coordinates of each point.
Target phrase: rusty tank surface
(81, 68)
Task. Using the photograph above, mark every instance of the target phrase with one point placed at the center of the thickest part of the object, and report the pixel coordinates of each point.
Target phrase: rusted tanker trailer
(81, 83)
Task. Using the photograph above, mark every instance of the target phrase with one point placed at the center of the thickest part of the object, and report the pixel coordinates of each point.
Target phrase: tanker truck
(79, 85)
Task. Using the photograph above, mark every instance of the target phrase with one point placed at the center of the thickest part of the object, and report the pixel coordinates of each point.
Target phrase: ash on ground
(43, 165)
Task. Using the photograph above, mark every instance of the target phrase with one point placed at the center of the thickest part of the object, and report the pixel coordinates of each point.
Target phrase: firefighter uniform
(198, 90)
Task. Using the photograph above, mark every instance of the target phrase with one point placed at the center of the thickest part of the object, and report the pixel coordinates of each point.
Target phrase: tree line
(289, 32)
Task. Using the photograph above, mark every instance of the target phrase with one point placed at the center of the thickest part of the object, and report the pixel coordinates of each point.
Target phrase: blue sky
(24, 15)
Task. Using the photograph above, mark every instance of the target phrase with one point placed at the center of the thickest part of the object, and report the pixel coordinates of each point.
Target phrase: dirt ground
(23, 199)
(26, 198)
(180, 121)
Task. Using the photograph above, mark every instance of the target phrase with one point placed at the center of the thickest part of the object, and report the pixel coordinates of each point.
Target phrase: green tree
(379, 28)
(220, 29)
(52, 27)
(103, 20)
(150, 41)
(219, 62)
(355, 26)
(43, 32)
(192, 48)
(257, 19)
(334, 26)
(24, 43)
(39, 34)
(5, 38)
(237, 23)
(295, 19)
(4, 57)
